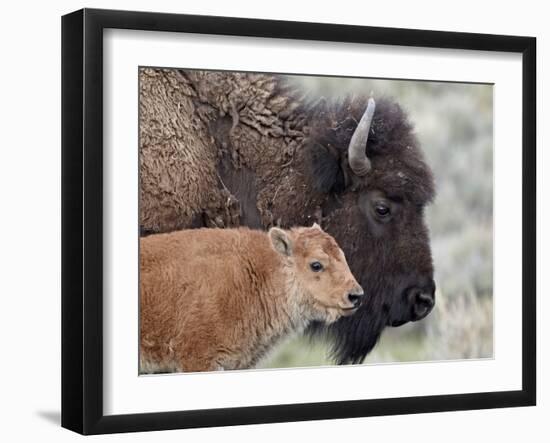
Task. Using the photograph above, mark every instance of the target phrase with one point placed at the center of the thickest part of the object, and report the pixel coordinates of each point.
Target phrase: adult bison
(224, 149)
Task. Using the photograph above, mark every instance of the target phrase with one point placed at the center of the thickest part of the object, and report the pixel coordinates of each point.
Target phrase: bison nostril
(355, 299)
(426, 299)
(422, 302)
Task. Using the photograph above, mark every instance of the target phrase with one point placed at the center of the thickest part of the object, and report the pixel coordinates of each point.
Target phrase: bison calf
(215, 299)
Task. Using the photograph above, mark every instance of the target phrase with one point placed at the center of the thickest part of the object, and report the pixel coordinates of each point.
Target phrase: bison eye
(316, 266)
(382, 210)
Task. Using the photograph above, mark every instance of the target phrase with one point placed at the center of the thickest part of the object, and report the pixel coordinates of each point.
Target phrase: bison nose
(421, 300)
(356, 297)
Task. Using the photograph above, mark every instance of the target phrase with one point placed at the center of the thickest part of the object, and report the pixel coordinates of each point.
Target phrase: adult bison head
(365, 160)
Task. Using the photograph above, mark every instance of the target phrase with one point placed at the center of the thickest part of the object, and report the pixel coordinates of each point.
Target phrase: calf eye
(316, 266)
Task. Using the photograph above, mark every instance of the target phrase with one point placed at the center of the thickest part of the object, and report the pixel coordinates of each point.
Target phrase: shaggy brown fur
(192, 120)
(221, 298)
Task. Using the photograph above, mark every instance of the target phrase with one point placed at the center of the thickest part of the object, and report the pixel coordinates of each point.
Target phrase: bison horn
(357, 157)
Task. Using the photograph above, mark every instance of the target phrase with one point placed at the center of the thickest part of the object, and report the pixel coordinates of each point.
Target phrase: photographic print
(301, 220)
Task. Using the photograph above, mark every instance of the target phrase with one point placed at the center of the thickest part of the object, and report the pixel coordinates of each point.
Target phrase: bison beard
(352, 340)
(247, 149)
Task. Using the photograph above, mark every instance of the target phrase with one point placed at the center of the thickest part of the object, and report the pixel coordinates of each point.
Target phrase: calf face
(320, 271)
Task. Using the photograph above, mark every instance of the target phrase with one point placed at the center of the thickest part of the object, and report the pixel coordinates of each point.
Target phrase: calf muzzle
(356, 297)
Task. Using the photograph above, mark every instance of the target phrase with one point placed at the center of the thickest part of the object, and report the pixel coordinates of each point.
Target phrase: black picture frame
(82, 218)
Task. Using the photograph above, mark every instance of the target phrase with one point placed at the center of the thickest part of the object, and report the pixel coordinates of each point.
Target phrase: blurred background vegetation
(454, 124)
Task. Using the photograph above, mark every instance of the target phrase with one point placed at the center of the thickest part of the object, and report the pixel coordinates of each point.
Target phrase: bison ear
(325, 169)
(280, 241)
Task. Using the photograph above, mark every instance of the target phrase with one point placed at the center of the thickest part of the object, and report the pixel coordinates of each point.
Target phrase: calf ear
(280, 241)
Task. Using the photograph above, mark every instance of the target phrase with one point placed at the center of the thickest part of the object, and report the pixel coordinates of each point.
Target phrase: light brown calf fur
(214, 299)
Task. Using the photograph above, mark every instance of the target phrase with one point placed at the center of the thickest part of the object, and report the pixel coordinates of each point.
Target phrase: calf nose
(356, 296)
(421, 300)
